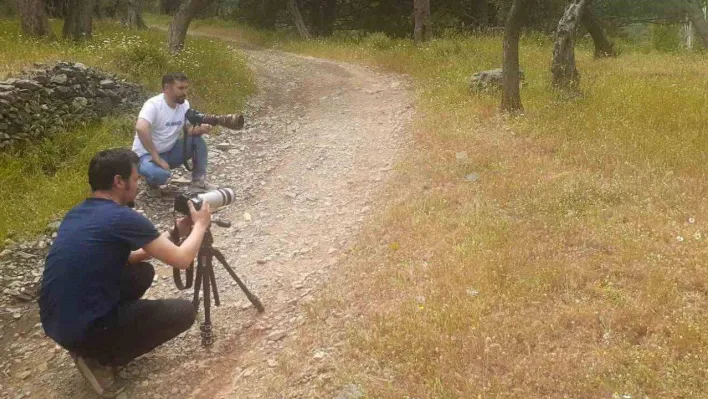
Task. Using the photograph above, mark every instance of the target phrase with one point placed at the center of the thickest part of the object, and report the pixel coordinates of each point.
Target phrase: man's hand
(161, 162)
(201, 129)
(200, 217)
(184, 226)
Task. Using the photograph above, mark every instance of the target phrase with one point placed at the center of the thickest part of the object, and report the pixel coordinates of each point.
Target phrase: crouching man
(158, 137)
(95, 275)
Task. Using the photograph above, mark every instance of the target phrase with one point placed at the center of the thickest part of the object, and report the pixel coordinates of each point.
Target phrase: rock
(223, 146)
(319, 355)
(261, 261)
(24, 375)
(107, 84)
(247, 216)
(291, 195)
(54, 226)
(277, 335)
(272, 363)
(489, 80)
(79, 103)
(461, 156)
(25, 255)
(472, 177)
(350, 391)
(42, 367)
(5, 253)
(59, 79)
(472, 292)
(28, 84)
(17, 316)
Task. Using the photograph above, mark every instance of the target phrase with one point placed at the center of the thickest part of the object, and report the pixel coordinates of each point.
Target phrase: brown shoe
(101, 378)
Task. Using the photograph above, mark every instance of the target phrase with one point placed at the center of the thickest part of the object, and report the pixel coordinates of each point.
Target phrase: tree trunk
(56, 8)
(316, 16)
(698, 19)
(298, 20)
(483, 14)
(511, 93)
(268, 13)
(133, 17)
(78, 20)
(329, 17)
(180, 23)
(111, 9)
(421, 15)
(33, 18)
(169, 6)
(565, 74)
(603, 46)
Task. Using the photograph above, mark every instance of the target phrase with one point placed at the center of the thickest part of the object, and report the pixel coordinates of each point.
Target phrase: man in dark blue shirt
(95, 275)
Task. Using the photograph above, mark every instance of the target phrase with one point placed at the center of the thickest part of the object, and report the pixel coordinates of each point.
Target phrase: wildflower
(691, 220)
(679, 238)
(697, 235)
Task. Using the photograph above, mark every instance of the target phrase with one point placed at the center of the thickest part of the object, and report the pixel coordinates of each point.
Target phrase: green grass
(584, 237)
(40, 181)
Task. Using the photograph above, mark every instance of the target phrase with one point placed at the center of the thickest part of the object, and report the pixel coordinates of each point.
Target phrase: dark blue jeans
(196, 151)
(135, 326)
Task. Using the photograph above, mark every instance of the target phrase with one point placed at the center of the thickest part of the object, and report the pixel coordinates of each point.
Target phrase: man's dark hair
(107, 164)
(173, 77)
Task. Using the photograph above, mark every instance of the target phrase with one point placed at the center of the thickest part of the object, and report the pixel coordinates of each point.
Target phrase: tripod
(206, 280)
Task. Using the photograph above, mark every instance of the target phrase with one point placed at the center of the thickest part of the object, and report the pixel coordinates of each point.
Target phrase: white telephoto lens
(218, 198)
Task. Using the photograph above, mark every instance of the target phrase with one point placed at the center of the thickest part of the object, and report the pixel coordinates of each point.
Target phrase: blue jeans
(155, 175)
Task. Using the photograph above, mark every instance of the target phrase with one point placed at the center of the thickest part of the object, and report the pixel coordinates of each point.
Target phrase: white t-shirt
(165, 124)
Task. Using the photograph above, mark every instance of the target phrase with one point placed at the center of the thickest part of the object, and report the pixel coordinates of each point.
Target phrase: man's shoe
(100, 378)
(153, 191)
(201, 185)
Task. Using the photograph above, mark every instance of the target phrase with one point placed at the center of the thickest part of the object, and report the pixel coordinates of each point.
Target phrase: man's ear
(118, 181)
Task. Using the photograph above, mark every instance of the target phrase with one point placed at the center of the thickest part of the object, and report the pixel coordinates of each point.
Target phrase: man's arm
(182, 256)
(184, 226)
(195, 131)
(142, 127)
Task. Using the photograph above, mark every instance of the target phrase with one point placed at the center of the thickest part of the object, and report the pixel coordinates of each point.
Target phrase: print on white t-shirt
(165, 124)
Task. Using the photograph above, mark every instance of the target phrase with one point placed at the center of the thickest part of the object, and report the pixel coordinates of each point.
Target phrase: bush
(378, 41)
(140, 61)
(665, 37)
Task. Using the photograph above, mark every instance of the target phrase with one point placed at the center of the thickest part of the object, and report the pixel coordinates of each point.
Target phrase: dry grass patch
(574, 267)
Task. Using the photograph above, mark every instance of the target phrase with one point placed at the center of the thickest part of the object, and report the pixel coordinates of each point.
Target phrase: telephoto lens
(216, 199)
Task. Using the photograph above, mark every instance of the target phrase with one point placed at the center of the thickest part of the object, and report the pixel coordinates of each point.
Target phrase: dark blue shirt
(81, 281)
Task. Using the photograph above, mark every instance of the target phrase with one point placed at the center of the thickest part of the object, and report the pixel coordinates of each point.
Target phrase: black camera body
(182, 206)
(194, 117)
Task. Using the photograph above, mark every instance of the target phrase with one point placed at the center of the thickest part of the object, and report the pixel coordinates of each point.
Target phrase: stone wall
(48, 99)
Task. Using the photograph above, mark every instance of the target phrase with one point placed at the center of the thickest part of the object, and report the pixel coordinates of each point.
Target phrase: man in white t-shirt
(158, 136)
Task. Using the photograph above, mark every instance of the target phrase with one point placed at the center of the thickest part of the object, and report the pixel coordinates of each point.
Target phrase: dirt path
(320, 141)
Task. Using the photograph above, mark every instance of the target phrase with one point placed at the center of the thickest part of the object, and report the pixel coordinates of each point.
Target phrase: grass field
(574, 267)
(42, 180)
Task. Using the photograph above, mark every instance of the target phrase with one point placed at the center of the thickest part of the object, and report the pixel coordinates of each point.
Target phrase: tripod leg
(207, 274)
(254, 299)
(198, 283)
(215, 290)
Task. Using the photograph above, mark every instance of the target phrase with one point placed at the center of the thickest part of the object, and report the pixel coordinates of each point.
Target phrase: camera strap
(176, 274)
(184, 149)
